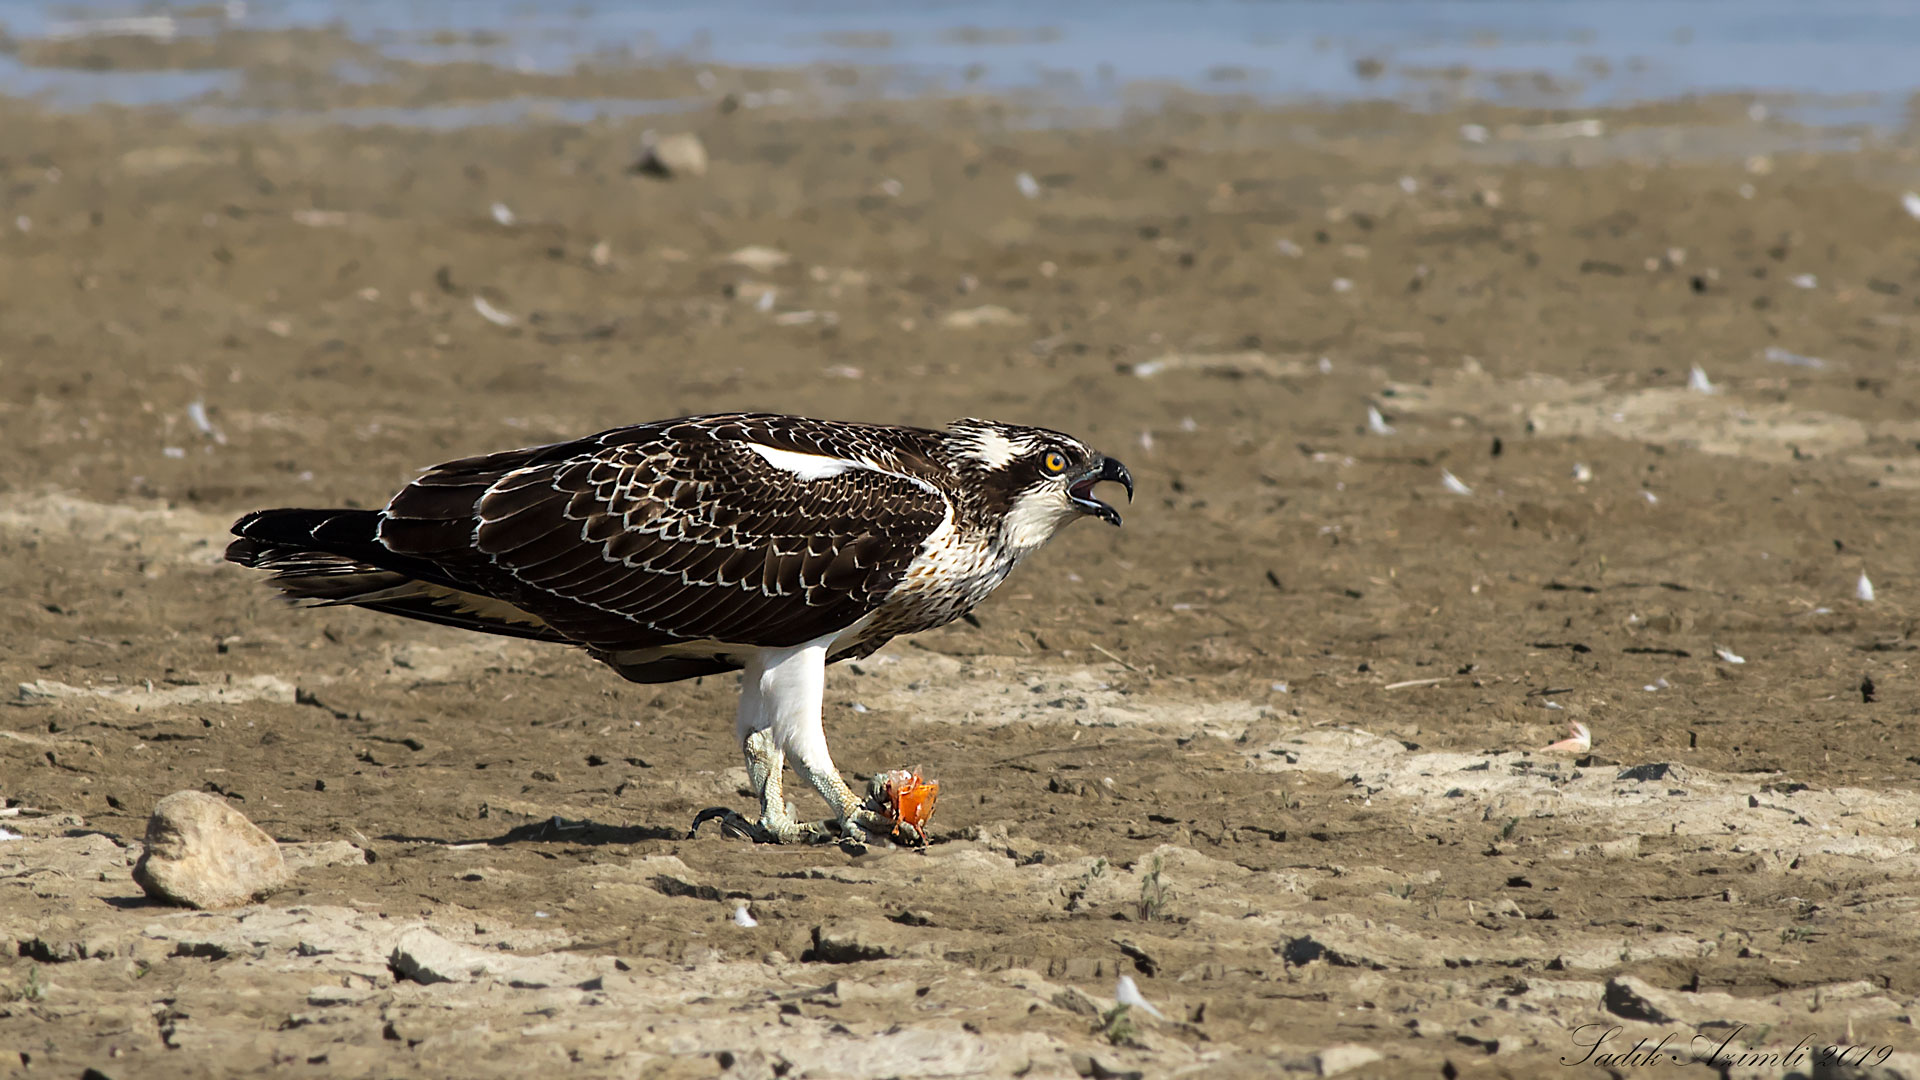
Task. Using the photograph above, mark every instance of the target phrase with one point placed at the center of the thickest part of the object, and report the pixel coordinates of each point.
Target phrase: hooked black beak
(1081, 491)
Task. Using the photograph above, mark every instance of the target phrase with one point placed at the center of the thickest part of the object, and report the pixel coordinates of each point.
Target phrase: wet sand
(1272, 750)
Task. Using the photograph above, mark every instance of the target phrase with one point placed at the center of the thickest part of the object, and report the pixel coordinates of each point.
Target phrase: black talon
(731, 824)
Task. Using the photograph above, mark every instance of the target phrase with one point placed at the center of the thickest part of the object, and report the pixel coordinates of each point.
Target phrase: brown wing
(680, 531)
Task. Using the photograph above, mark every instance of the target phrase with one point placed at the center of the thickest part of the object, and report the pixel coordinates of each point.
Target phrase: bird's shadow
(556, 830)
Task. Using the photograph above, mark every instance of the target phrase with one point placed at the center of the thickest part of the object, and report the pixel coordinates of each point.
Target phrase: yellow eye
(1055, 461)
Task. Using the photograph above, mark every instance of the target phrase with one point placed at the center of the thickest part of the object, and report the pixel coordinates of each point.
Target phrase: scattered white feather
(1288, 248)
(541, 915)
(892, 188)
(502, 214)
(1028, 185)
(1556, 706)
(8, 834)
(1146, 441)
(1326, 366)
(1657, 685)
(765, 303)
(759, 258)
(1911, 200)
(492, 314)
(1281, 688)
(1698, 382)
(1582, 473)
(1652, 499)
(1776, 354)
(1474, 133)
(804, 318)
(1863, 589)
(859, 708)
(1804, 281)
(1409, 185)
(174, 451)
(197, 414)
(1126, 993)
(1377, 423)
(1453, 483)
(1341, 284)
(741, 918)
(1728, 655)
(1579, 742)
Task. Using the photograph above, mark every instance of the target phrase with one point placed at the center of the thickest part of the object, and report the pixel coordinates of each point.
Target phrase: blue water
(1847, 59)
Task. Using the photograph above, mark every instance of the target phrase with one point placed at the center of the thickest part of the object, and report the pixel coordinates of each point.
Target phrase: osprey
(773, 545)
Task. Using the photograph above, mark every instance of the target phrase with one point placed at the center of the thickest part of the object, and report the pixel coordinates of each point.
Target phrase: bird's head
(1040, 480)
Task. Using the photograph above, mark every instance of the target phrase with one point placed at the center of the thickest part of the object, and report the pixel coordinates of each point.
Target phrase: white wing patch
(805, 466)
(823, 466)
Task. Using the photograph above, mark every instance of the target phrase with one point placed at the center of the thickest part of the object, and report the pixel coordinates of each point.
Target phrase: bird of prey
(774, 545)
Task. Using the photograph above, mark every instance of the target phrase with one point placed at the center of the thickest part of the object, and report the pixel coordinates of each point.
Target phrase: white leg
(753, 715)
(779, 721)
(791, 684)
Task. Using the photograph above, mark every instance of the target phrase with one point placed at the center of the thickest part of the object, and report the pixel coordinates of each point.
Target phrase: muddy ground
(1273, 750)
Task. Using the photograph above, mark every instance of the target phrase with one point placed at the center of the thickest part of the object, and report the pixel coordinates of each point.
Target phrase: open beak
(1081, 490)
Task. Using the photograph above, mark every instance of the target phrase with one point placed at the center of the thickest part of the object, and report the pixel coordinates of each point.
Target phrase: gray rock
(1659, 770)
(203, 853)
(425, 957)
(1338, 1059)
(326, 853)
(1074, 1001)
(1636, 999)
(851, 941)
(1089, 1066)
(854, 940)
(673, 155)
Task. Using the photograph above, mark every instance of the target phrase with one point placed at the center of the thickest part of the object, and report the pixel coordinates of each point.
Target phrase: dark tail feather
(334, 557)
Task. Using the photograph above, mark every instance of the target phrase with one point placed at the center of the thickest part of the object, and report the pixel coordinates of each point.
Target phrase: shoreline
(293, 63)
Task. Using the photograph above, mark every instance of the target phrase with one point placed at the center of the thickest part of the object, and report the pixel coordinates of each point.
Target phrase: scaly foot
(859, 821)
